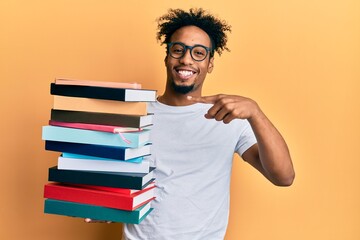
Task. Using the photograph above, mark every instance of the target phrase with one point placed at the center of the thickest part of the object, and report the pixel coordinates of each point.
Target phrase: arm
(270, 155)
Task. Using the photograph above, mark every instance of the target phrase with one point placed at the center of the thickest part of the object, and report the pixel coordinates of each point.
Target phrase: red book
(95, 127)
(125, 191)
(115, 200)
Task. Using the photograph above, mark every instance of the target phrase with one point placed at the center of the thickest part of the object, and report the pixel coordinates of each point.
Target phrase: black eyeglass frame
(186, 47)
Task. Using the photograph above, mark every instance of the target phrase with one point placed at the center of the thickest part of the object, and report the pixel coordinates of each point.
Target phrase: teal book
(75, 135)
(81, 210)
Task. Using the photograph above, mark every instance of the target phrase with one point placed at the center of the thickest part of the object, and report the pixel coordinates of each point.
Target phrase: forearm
(271, 155)
(274, 157)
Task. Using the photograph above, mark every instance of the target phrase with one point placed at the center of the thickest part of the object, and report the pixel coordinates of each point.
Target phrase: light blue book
(87, 157)
(75, 135)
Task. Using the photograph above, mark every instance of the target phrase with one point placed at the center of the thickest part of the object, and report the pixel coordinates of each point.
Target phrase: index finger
(204, 99)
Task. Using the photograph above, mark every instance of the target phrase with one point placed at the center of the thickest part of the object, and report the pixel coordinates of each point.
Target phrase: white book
(82, 164)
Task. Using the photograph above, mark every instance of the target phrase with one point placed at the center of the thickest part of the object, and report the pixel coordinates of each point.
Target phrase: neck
(176, 99)
(172, 101)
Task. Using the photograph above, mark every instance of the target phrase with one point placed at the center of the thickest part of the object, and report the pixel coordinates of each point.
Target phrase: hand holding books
(89, 220)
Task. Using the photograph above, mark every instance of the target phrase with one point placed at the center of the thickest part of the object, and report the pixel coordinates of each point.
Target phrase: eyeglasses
(177, 50)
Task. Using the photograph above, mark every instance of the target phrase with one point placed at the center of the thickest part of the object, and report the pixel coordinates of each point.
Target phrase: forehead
(191, 35)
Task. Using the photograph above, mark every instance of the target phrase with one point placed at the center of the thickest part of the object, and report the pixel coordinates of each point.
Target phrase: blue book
(119, 153)
(81, 210)
(87, 157)
(75, 135)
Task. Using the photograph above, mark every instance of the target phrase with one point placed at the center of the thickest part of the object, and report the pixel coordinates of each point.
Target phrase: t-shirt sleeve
(246, 139)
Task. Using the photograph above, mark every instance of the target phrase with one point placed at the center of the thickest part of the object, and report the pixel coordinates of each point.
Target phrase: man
(194, 137)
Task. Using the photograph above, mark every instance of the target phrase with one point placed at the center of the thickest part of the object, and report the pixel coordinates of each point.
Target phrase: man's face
(186, 75)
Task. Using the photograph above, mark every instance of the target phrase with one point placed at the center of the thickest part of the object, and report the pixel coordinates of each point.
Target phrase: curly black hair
(177, 18)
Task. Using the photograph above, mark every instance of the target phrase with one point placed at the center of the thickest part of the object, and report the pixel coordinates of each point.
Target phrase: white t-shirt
(193, 159)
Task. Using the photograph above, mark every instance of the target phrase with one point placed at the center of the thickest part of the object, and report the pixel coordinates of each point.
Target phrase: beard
(182, 89)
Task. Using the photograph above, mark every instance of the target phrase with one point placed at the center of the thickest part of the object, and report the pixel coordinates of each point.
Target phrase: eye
(177, 49)
(199, 51)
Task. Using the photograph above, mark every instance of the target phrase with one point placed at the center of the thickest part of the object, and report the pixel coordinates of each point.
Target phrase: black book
(97, 178)
(123, 120)
(118, 94)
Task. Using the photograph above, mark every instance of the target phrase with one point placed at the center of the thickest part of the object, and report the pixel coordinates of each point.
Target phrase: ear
(165, 60)
(211, 65)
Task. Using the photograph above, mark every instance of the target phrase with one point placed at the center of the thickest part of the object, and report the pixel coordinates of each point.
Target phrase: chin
(183, 89)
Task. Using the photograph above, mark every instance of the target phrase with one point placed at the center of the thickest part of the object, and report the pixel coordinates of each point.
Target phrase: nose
(187, 58)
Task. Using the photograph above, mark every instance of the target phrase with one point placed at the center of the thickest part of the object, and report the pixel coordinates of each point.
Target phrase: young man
(194, 137)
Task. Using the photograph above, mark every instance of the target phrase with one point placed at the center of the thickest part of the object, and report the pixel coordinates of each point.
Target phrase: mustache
(185, 67)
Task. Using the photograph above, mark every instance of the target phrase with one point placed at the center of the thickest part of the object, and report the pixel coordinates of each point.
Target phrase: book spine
(124, 191)
(117, 94)
(87, 149)
(100, 118)
(99, 105)
(88, 196)
(95, 212)
(99, 151)
(61, 81)
(88, 92)
(95, 127)
(102, 165)
(88, 157)
(63, 134)
(96, 178)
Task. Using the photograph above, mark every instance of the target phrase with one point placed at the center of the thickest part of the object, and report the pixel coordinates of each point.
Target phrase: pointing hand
(228, 107)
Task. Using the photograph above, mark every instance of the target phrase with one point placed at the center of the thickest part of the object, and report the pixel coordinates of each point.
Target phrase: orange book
(99, 105)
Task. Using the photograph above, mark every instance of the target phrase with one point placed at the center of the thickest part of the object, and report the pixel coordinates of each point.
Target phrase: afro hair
(177, 18)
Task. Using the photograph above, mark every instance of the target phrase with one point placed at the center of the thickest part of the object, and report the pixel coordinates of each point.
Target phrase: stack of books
(102, 131)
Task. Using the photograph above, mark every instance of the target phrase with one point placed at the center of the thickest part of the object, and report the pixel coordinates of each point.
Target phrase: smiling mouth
(185, 73)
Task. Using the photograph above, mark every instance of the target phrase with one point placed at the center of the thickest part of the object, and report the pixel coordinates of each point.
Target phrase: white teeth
(186, 73)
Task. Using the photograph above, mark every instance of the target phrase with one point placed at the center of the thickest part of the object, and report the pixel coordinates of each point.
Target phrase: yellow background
(300, 60)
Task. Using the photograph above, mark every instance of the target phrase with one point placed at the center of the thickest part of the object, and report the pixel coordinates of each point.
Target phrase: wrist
(256, 115)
